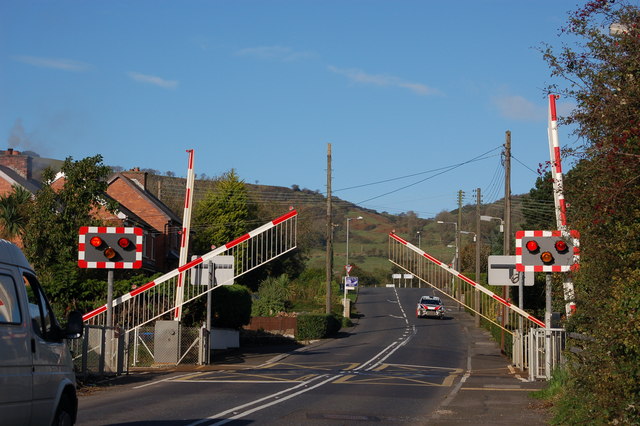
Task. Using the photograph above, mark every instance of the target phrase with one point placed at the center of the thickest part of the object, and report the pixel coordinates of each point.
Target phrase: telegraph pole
(329, 262)
(507, 219)
(507, 194)
(458, 242)
(477, 293)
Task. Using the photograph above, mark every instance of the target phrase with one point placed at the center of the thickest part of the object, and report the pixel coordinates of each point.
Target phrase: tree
(538, 207)
(61, 210)
(273, 297)
(223, 214)
(601, 73)
(14, 213)
(231, 306)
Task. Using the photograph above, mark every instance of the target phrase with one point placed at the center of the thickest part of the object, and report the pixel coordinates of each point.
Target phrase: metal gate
(135, 311)
(152, 345)
(157, 298)
(468, 293)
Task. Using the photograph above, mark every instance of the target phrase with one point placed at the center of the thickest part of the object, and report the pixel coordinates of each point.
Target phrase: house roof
(130, 216)
(14, 178)
(152, 199)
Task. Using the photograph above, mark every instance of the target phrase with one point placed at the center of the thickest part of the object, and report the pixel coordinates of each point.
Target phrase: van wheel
(64, 412)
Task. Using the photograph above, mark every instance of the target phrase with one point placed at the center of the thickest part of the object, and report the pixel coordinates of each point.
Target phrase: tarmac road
(391, 368)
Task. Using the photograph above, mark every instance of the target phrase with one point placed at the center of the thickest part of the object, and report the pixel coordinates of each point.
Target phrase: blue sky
(399, 88)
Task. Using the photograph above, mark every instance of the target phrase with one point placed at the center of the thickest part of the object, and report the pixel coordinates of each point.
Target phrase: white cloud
(280, 53)
(152, 79)
(55, 63)
(519, 108)
(359, 76)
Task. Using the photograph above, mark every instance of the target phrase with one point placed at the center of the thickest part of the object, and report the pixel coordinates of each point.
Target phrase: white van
(37, 382)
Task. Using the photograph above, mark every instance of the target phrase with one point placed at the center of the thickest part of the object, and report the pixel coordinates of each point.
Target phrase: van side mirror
(75, 326)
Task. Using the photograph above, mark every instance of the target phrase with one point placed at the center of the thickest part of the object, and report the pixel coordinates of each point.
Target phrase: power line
(527, 167)
(443, 170)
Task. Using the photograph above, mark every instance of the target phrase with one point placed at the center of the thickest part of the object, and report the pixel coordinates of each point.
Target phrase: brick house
(138, 207)
(17, 168)
(162, 244)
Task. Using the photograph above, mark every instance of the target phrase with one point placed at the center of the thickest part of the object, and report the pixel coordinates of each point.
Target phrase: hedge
(316, 326)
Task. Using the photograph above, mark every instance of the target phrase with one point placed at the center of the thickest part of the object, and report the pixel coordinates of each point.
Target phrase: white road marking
(240, 407)
(169, 379)
(387, 352)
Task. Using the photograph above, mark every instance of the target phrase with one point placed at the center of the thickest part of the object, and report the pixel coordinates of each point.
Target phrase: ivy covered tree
(56, 214)
(600, 70)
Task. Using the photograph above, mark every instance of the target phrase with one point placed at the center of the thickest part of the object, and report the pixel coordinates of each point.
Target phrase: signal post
(110, 247)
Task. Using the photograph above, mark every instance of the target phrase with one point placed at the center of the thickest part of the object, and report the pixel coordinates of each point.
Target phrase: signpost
(503, 271)
(350, 283)
(110, 247)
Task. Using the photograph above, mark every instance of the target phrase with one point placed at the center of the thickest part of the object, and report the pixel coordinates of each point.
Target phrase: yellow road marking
(191, 376)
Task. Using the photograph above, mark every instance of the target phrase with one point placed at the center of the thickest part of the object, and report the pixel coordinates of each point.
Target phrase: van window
(42, 317)
(9, 306)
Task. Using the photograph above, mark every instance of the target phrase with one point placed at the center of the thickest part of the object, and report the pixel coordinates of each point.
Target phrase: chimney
(21, 164)
(136, 175)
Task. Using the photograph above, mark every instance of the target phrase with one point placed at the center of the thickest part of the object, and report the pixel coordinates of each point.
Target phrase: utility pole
(460, 199)
(507, 194)
(459, 242)
(507, 219)
(329, 263)
(477, 293)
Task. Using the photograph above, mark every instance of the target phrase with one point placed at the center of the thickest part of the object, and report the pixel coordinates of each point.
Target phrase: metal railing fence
(474, 297)
(157, 298)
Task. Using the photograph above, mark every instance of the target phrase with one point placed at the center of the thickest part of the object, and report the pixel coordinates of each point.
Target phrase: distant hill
(368, 238)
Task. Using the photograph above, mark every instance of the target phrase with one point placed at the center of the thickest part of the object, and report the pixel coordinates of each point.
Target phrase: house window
(149, 241)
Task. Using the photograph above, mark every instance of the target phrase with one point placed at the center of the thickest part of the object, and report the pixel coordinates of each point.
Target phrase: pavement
(491, 391)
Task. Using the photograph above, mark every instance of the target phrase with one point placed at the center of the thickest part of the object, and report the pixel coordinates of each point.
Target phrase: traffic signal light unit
(547, 251)
(110, 247)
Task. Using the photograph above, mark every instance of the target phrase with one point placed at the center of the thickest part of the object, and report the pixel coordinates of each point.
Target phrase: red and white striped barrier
(209, 256)
(556, 165)
(468, 281)
(184, 240)
(558, 194)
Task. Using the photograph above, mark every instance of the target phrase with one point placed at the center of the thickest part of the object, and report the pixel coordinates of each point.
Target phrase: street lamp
(349, 219)
(418, 238)
(490, 218)
(469, 232)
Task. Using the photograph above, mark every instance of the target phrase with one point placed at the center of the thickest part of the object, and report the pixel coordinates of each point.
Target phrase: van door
(52, 366)
(15, 353)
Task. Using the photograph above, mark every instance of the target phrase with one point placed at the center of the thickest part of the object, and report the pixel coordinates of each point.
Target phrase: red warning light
(532, 246)
(96, 241)
(124, 242)
(561, 246)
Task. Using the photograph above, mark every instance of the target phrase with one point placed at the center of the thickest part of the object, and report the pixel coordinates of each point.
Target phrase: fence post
(120, 351)
(136, 336)
(85, 350)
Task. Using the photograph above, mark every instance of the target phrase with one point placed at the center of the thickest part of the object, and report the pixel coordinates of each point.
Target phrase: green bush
(231, 306)
(317, 326)
(273, 297)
